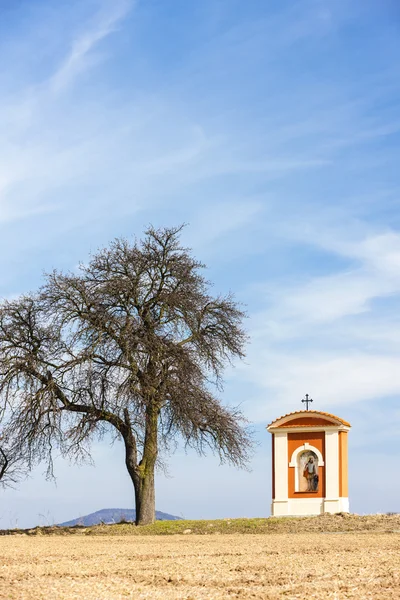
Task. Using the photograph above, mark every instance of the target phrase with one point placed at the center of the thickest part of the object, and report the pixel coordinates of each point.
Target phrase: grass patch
(339, 523)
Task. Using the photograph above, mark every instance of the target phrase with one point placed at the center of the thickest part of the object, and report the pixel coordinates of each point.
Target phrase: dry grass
(325, 523)
(292, 566)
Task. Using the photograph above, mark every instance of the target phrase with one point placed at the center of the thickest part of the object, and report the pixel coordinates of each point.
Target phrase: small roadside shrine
(309, 463)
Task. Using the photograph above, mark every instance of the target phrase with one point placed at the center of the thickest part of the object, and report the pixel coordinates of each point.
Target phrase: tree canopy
(134, 343)
(14, 463)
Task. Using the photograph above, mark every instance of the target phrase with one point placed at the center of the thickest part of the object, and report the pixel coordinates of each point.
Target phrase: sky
(270, 127)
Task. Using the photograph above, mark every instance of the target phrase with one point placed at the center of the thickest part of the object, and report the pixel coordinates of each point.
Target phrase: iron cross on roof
(307, 400)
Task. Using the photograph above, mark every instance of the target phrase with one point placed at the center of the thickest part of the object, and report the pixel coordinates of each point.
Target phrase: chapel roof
(303, 413)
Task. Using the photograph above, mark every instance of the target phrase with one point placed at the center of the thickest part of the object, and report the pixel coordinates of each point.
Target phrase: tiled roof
(318, 413)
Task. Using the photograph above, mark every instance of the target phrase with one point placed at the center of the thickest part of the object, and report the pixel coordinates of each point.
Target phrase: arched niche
(297, 459)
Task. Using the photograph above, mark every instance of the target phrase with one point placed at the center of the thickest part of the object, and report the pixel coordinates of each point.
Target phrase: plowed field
(292, 566)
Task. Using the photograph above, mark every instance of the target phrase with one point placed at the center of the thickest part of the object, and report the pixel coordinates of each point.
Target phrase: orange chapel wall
(343, 465)
(306, 422)
(317, 439)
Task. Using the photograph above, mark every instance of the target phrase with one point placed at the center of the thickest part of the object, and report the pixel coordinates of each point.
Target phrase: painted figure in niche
(309, 470)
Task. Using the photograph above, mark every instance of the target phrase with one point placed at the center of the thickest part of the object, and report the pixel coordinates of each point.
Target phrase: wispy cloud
(327, 335)
(105, 23)
(375, 273)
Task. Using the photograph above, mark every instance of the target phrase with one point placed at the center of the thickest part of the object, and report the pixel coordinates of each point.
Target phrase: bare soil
(316, 565)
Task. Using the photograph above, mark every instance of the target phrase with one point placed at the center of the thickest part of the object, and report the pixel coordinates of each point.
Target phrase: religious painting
(308, 472)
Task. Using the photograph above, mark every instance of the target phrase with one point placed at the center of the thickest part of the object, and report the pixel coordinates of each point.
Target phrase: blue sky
(272, 129)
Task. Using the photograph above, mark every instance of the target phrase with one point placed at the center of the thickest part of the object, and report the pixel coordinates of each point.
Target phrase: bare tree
(135, 343)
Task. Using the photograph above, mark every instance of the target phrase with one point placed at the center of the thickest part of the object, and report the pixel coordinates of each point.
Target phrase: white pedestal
(302, 507)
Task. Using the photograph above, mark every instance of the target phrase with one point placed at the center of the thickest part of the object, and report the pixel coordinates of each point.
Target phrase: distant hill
(114, 515)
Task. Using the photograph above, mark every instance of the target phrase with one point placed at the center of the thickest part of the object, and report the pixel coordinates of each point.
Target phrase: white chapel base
(300, 507)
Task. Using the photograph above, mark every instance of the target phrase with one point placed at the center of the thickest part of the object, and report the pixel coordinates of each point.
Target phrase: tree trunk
(146, 500)
(142, 474)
